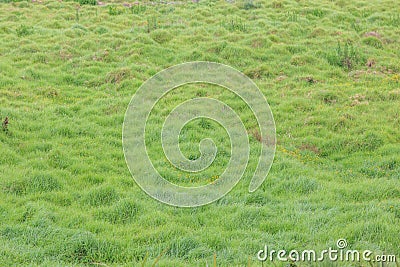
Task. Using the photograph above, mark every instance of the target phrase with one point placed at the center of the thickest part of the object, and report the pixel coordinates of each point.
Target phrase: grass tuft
(122, 212)
(103, 195)
(346, 56)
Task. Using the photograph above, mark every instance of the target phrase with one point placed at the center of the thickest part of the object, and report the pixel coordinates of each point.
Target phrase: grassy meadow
(330, 70)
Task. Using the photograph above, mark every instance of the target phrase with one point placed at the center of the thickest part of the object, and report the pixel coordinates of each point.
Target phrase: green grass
(329, 69)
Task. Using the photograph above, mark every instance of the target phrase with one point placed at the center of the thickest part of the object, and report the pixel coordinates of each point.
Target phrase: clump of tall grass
(346, 56)
(85, 247)
(114, 10)
(38, 183)
(292, 16)
(101, 196)
(394, 20)
(151, 24)
(137, 9)
(24, 30)
(236, 25)
(249, 4)
(87, 2)
(43, 183)
(277, 4)
(123, 212)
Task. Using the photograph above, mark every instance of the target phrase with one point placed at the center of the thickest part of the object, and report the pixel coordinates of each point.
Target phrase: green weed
(346, 56)
(249, 4)
(236, 25)
(138, 9)
(115, 10)
(151, 24)
(87, 2)
(24, 30)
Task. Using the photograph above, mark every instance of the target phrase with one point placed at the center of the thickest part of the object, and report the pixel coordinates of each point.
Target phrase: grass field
(330, 71)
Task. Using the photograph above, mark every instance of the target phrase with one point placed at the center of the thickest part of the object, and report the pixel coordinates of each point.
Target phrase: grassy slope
(66, 77)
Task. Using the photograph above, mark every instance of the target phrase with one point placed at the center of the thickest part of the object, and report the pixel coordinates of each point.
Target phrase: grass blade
(145, 259)
(215, 260)
(159, 257)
